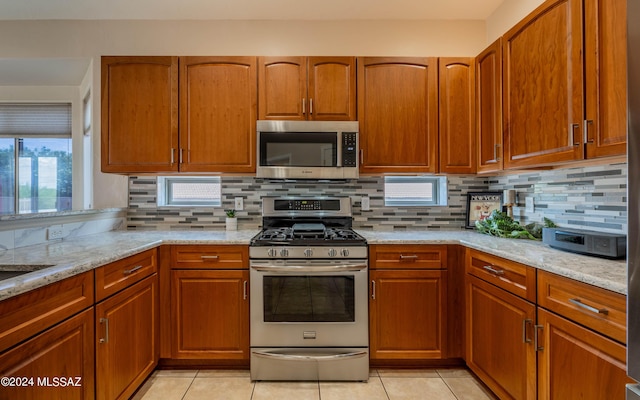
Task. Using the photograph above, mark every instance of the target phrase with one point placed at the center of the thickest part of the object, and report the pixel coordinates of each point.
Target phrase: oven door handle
(305, 268)
(301, 357)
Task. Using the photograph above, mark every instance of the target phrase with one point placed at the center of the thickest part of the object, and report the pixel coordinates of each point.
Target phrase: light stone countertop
(601, 272)
(74, 256)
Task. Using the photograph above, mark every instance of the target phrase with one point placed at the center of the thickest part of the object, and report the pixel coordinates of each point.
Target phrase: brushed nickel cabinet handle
(573, 128)
(587, 307)
(409, 257)
(132, 270)
(105, 321)
(536, 341)
(304, 106)
(587, 122)
(496, 272)
(209, 257)
(361, 156)
(373, 290)
(495, 152)
(180, 155)
(244, 290)
(525, 322)
(172, 155)
(310, 106)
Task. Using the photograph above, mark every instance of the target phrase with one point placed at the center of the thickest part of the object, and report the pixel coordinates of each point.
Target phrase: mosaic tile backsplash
(589, 198)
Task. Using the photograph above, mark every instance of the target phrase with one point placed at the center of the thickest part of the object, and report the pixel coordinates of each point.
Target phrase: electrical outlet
(364, 203)
(239, 204)
(54, 232)
(529, 205)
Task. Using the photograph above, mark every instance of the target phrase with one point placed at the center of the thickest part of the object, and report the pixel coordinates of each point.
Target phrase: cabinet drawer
(27, 314)
(209, 257)
(112, 278)
(408, 256)
(514, 277)
(596, 308)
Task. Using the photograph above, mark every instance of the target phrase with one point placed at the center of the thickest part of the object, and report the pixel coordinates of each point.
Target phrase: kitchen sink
(8, 271)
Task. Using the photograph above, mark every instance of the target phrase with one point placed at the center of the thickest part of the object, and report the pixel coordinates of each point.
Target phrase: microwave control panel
(349, 149)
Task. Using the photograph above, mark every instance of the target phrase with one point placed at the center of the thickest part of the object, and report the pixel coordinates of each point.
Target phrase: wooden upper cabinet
(543, 86)
(332, 88)
(456, 85)
(398, 114)
(605, 77)
(282, 88)
(489, 108)
(218, 102)
(139, 114)
(307, 88)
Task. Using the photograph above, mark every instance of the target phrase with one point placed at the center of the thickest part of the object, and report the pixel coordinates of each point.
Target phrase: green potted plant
(231, 221)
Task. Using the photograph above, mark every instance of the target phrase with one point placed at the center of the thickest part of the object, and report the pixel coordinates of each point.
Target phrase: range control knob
(272, 252)
(333, 253)
(308, 253)
(344, 252)
(284, 253)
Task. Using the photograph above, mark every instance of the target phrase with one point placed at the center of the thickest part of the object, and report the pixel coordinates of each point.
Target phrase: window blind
(35, 120)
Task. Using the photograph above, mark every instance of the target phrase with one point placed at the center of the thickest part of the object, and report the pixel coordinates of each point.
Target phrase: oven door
(309, 303)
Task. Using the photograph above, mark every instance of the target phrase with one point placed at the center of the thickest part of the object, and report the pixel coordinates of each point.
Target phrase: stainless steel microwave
(307, 149)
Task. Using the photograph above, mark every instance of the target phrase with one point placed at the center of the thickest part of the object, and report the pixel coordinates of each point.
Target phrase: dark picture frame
(480, 205)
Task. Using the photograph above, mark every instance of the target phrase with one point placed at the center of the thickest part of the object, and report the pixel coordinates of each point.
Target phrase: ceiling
(248, 9)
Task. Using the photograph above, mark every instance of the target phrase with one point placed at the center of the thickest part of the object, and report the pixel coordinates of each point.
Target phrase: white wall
(92, 39)
(507, 15)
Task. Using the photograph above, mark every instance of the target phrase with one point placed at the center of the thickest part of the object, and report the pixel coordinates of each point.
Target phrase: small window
(189, 191)
(415, 191)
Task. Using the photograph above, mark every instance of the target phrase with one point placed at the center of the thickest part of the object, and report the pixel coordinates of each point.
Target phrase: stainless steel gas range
(309, 315)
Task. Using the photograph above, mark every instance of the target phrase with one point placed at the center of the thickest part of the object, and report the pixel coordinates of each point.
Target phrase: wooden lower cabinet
(210, 314)
(500, 349)
(577, 363)
(126, 339)
(407, 311)
(57, 363)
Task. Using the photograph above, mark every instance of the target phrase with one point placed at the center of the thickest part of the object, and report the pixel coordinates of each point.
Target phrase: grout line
(450, 388)
(189, 387)
(383, 387)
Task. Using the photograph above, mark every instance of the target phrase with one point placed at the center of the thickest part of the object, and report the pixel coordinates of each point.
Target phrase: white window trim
(440, 193)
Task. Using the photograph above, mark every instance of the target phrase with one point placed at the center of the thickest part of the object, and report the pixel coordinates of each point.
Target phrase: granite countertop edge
(73, 256)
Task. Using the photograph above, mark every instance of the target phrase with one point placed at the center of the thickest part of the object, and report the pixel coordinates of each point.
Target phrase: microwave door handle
(305, 268)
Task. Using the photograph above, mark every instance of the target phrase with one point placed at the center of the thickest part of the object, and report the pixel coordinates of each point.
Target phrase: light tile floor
(432, 384)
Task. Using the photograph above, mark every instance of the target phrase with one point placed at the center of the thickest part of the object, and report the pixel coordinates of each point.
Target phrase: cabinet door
(210, 314)
(456, 86)
(64, 351)
(218, 114)
(332, 88)
(499, 345)
(139, 114)
(489, 107)
(407, 311)
(126, 339)
(605, 77)
(398, 114)
(543, 86)
(282, 87)
(576, 363)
